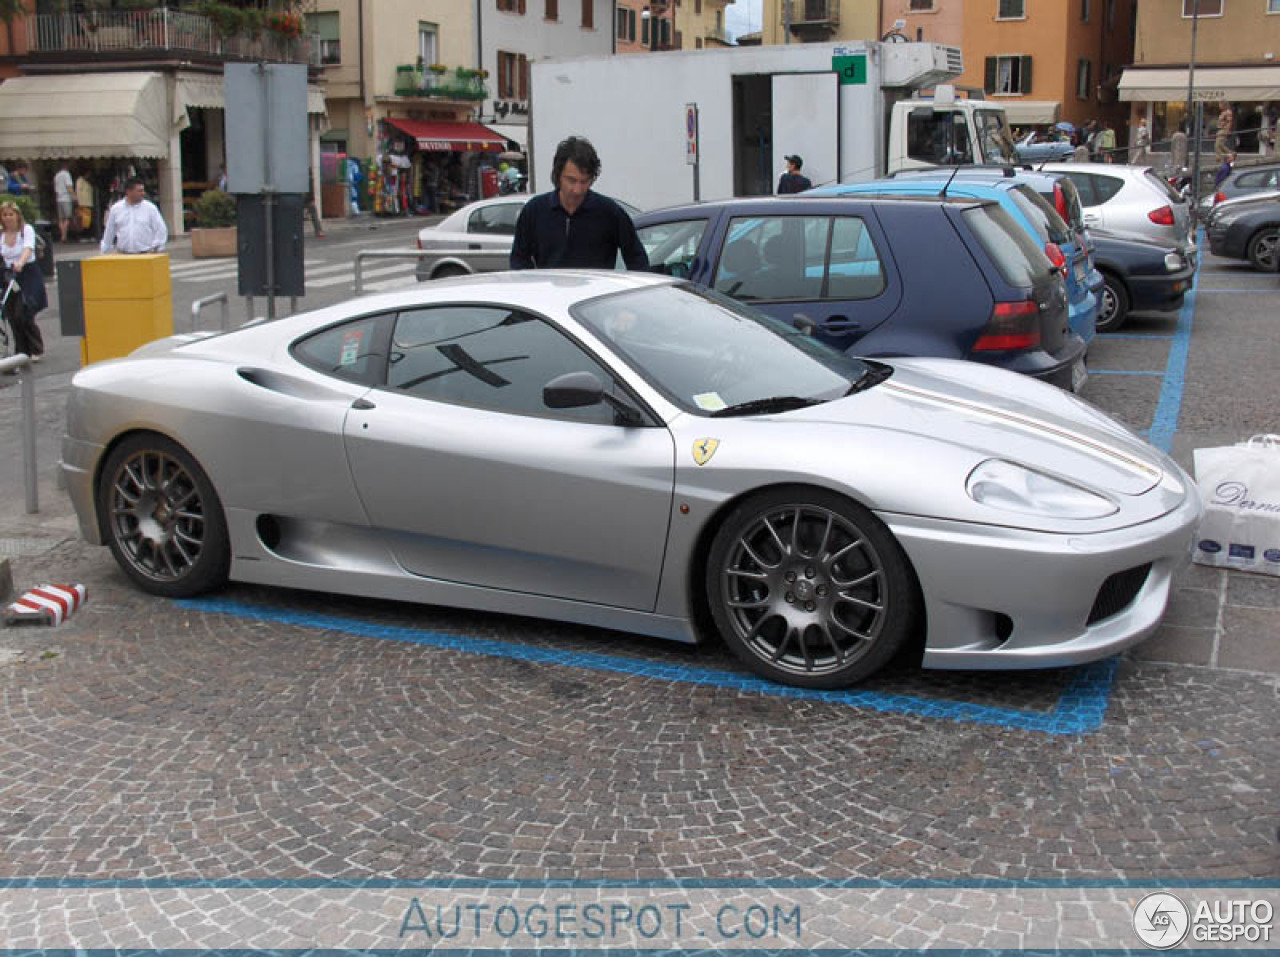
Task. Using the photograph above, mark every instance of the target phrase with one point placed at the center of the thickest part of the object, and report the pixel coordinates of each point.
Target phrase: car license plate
(1079, 375)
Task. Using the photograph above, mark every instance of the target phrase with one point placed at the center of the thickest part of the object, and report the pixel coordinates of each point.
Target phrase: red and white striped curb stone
(46, 605)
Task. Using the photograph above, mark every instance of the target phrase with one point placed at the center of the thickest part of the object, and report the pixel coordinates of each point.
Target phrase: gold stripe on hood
(1029, 424)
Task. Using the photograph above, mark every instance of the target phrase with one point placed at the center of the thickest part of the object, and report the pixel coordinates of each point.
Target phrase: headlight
(1013, 488)
(1174, 261)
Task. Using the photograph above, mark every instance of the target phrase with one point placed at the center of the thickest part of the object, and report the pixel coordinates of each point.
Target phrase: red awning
(443, 136)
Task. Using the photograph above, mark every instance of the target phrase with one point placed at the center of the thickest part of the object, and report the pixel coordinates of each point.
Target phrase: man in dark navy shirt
(572, 227)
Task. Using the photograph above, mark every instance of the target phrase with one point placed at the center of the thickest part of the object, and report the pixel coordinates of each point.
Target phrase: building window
(511, 6)
(553, 9)
(1082, 79)
(428, 43)
(1085, 10)
(921, 5)
(1208, 8)
(1273, 6)
(1008, 74)
(513, 76)
(588, 14)
(324, 27)
(626, 25)
(1011, 10)
(697, 7)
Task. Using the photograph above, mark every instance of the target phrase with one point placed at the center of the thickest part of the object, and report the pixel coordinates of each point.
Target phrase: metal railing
(132, 31)
(199, 304)
(21, 363)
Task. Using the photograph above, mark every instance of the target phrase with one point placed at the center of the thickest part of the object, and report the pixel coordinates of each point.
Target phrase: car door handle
(474, 246)
(839, 324)
(362, 405)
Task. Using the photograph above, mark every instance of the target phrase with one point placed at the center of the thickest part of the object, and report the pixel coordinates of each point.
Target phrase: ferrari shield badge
(703, 449)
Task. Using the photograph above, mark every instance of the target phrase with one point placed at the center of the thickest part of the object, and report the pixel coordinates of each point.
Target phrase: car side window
(672, 246)
(1105, 187)
(1084, 187)
(488, 357)
(1258, 180)
(773, 258)
(856, 271)
(352, 350)
(498, 219)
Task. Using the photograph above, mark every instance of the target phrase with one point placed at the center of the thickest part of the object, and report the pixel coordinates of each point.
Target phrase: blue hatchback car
(1027, 208)
(882, 276)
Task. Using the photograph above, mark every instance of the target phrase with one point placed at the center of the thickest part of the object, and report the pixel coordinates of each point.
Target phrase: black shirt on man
(547, 237)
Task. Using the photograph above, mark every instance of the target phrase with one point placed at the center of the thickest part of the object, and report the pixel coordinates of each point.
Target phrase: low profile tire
(1263, 248)
(162, 518)
(810, 589)
(448, 272)
(1113, 304)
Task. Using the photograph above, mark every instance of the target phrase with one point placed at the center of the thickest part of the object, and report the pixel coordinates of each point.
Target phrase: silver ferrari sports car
(628, 451)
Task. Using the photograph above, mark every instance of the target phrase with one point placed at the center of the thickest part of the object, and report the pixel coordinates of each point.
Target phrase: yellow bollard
(128, 301)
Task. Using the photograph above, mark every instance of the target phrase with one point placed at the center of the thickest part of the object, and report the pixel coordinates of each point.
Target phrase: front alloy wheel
(163, 519)
(810, 589)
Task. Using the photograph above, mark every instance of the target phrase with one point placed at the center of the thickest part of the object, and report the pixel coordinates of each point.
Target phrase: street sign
(267, 147)
(691, 134)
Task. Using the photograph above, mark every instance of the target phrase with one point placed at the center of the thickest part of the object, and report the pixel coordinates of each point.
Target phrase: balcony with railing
(143, 34)
(811, 19)
(438, 82)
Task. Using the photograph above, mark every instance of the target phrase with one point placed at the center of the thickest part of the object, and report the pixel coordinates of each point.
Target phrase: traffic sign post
(691, 145)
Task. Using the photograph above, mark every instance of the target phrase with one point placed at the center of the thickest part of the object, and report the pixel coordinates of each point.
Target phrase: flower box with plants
(215, 231)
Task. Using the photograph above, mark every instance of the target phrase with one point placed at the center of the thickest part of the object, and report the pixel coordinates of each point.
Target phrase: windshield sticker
(350, 354)
(709, 401)
(703, 449)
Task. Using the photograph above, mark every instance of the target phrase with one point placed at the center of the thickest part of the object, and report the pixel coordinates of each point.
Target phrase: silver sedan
(627, 451)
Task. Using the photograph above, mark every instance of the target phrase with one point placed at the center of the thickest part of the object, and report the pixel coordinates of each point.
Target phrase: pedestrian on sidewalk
(64, 197)
(18, 248)
(134, 224)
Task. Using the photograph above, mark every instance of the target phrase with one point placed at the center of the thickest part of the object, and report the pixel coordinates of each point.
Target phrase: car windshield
(707, 353)
(994, 138)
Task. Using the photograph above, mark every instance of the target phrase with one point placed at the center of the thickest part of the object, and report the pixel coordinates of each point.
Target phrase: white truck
(851, 111)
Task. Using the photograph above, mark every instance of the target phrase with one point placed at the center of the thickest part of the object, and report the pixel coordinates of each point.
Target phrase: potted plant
(215, 231)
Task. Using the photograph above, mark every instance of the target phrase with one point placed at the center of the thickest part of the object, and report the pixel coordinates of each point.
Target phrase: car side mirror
(573, 390)
(577, 390)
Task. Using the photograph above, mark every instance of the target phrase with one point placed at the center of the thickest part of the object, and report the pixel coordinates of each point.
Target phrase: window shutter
(989, 76)
(1025, 74)
(502, 76)
(523, 67)
(588, 14)
(520, 7)
(644, 30)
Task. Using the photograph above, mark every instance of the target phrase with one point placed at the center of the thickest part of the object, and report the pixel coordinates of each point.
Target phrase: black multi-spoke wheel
(162, 518)
(810, 589)
(1113, 304)
(1262, 249)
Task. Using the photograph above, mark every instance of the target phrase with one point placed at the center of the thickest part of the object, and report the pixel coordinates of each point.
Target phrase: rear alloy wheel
(163, 519)
(810, 589)
(1113, 304)
(1263, 248)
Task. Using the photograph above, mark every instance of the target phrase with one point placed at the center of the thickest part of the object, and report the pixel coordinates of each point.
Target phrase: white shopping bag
(1240, 486)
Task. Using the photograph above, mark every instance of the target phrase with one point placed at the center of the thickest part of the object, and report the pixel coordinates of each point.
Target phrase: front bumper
(1002, 598)
(79, 464)
(1161, 293)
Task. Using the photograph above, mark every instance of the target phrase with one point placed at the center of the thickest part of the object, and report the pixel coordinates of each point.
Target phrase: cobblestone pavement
(290, 735)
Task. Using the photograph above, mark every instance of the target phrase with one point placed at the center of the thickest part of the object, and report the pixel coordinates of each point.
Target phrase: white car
(476, 238)
(1131, 199)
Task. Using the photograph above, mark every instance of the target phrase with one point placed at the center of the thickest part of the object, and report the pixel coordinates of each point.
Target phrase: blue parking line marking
(1240, 292)
(1134, 335)
(1164, 424)
(1080, 710)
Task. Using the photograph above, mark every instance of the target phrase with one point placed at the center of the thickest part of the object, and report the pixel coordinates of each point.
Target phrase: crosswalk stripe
(368, 274)
(386, 284)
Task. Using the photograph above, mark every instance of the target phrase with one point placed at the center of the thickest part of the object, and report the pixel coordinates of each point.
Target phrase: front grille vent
(1118, 591)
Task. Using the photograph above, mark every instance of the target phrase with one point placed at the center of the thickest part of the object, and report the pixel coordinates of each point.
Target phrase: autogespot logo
(1161, 920)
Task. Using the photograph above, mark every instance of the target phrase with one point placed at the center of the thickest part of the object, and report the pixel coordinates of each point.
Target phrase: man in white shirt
(134, 225)
(64, 197)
